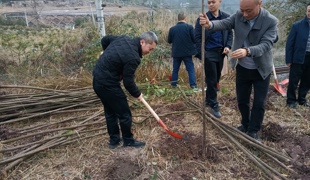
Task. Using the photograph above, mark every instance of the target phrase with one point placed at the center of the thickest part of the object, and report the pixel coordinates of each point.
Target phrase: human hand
(204, 20)
(239, 53)
(226, 50)
(288, 64)
(140, 97)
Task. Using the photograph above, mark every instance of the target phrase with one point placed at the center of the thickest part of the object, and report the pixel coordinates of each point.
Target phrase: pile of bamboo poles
(243, 142)
(26, 109)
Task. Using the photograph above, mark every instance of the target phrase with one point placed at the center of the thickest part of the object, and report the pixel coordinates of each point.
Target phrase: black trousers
(213, 67)
(246, 79)
(299, 73)
(116, 109)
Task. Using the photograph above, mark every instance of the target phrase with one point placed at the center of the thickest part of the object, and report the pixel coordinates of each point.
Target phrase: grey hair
(149, 37)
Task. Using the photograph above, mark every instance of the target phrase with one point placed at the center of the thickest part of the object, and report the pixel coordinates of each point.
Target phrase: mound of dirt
(296, 146)
(122, 169)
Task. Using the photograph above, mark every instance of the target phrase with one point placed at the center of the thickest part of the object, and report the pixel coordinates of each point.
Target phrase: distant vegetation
(27, 53)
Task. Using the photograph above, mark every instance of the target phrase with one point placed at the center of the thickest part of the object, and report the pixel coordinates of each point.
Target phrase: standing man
(183, 48)
(119, 61)
(255, 32)
(297, 57)
(218, 44)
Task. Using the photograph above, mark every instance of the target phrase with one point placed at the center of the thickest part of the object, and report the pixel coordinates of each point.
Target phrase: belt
(307, 52)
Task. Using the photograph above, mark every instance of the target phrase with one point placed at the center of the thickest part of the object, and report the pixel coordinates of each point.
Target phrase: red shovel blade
(285, 81)
(162, 124)
(279, 89)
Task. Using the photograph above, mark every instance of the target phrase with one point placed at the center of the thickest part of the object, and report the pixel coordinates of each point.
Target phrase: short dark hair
(181, 16)
(149, 37)
(308, 4)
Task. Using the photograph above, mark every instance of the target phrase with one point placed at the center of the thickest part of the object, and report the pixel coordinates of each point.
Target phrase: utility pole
(92, 14)
(26, 18)
(100, 17)
(25, 14)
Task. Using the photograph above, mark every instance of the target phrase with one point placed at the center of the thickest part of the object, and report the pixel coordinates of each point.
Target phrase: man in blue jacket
(218, 44)
(297, 57)
(183, 48)
(119, 61)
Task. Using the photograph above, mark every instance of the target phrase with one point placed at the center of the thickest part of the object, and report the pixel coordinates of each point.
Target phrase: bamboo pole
(44, 113)
(203, 105)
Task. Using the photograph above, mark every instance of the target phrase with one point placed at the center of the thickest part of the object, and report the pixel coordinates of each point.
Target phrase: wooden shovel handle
(150, 109)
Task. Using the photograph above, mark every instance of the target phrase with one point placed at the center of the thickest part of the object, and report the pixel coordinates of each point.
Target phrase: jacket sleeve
(198, 30)
(170, 36)
(192, 33)
(129, 70)
(290, 43)
(106, 40)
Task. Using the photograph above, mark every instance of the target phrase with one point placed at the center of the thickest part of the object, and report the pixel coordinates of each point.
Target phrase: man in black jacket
(218, 44)
(183, 48)
(119, 61)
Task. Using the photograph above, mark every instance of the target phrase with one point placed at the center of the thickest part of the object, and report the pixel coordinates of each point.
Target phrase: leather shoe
(254, 136)
(293, 105)
(305, 104)
(134, 143)
(215, 112)
(242, 129)
(113, 146)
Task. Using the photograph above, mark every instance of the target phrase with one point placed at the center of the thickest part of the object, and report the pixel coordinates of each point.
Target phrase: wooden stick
(49, 131)
(50, 138)
(203, 106)
(44, 113)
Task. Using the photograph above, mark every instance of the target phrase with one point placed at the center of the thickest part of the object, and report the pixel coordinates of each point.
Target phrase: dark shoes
(216, 112)
(113, 146)
(292, 105)
(254, 136)
(134, 143)
(242, 129)
(305, 104)
(214, 109)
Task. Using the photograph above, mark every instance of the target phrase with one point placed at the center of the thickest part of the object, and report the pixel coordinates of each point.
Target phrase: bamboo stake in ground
(203, 106)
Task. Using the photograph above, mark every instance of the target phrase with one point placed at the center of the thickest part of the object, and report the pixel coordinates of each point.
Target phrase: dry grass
(163, 157)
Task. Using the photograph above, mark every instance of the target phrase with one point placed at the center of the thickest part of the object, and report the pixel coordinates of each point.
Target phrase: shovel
(276, 85)
(284, 82)
(161, 123)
